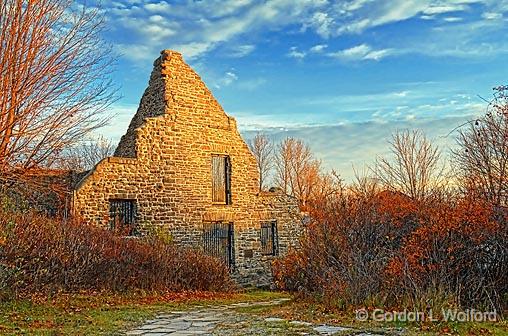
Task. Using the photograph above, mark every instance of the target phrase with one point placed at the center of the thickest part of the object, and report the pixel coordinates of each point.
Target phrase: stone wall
(164, 162)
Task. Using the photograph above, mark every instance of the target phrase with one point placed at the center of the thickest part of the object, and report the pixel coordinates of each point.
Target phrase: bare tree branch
(262, 148)
(86, 154)
(414, 166)
(54, 81)
(481, 162)
(299, 173)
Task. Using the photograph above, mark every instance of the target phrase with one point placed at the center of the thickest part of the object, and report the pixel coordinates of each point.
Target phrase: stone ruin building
(183, 166)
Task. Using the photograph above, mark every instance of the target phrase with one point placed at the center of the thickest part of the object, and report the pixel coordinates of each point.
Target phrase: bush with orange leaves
(43, 255)
(460, 249)
(386, 249)
(345, 250)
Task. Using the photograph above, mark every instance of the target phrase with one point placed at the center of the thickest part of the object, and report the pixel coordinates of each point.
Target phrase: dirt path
(227, 320)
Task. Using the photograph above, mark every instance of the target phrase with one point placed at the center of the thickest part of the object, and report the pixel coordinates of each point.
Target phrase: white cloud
(220, 8)
(227, 79)
(376, 55)
(354, 5)
(354, 27)
(361, 52)
(151, 30)
(295, 53)
(193, 49)
(492, 16)
(471, 39)
(441, 9)
(162, 6)
(363, 140)
(358, 51)
(199, 27)
(453, 19)
(230, 78)
(251, 84)
(137, 52)
(322, 24)
(399, 10)
(356, 16)
(241, 50)
(401, 93)
(122, 115)
(318, 48)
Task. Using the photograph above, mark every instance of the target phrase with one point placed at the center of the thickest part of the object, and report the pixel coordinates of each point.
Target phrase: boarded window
(122, 216)
(269, 240)
(218, 241)
(221, 179)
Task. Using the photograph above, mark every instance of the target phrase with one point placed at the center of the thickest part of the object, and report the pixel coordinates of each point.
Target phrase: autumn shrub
(345, 250)
(45, 255)
(386, 249)
(459, 250)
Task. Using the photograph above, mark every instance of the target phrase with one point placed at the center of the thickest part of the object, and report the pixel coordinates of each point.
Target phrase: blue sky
(342, 75)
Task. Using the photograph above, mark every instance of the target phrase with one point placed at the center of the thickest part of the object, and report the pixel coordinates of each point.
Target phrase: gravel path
(225, 320)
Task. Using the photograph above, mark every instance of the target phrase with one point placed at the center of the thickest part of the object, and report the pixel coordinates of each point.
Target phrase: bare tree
(297, 172)
(85, 155)
(262, 148)
(414, 167)
(364, 184)
(328, 186)
(482, 158)
(283, 164)
(305, 173)
(54, 85)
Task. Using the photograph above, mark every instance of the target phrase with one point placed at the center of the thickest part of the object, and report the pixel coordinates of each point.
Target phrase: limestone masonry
(183, 166)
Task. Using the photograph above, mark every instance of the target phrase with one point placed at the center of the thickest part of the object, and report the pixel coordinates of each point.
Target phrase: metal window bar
(122, 216)
(218, 239)
(269, 238)
(227, 164)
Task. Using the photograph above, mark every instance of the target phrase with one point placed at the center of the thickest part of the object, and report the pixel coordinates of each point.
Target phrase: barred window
(218, 241)
(122, 216)
(221, 179)
(269, 239)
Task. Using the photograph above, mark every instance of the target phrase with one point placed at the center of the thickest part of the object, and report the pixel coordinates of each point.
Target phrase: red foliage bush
(460, 247)
(42, 254)
(391, 250)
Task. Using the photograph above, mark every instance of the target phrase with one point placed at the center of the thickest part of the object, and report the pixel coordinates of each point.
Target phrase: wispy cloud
(197, 28)
(295, 53)
(453, 19)
(202, 26)
(240, 50)
(251, 84)
(361, 52)
(159, 7)
(492, 16)
(122, 115)
(318, 48)
(322, 23)
(227, 79)
(344, 146)
(445, 8)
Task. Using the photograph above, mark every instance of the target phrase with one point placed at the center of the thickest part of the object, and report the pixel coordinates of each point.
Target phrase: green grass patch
(100, 313)
(108, 314)
(317, 313)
